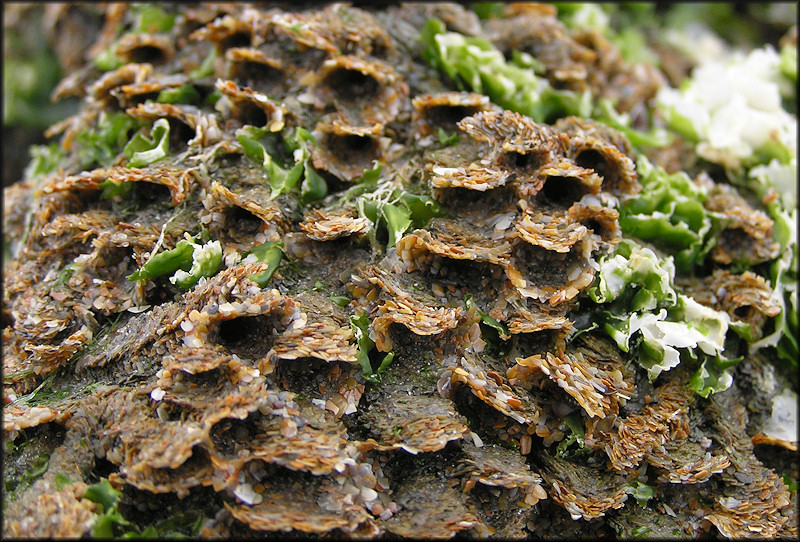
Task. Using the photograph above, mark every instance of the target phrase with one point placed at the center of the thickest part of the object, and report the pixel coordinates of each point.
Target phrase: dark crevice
(249, 337)
(146, 509)
(595, 226)
(241, 224)
(544, 268)
(598, 228)
(141, 98)
(305, 377)
(199, 459)
(231, 435)
(230, 160)
(351, 85)
(239, 331)
(561, 191)
(147, 54)
(250, 113)
(237, 39)
(526, 163)
(209, 380)
(335, 184)
(447, 116)
(163, 291)
(174, 412)
(180, 134)
(481, 417)
(592, 159)
(478, 205)
(258, 76)
(350, 149)
(545, 340)
(102, 469)
(402, 465)
(6, 318)
(148, 194)
(113, 255)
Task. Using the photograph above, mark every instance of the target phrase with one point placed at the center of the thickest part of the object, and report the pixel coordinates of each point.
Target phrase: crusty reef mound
(245, 402)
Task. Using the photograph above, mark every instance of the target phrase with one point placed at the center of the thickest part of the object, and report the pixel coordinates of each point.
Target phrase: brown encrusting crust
(53, 513)
(748, 232)
(501, 413)
(629, 440)
(750, 496)
(326, 227)
(746, 297)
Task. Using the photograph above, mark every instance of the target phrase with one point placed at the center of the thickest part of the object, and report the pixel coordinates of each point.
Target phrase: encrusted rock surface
(251, 401)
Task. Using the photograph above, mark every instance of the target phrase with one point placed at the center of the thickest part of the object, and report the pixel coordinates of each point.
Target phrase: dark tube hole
(147, 194)
(180, 134)
(352, 85)
(147, 53)
(352, 148)
(260, 77)
(229, 436)
(592, 159)
(249, 337)
(561, 191)
(241, 223)
(447, 116)
(250, 113)
(596, 227)
(526, 163)
(237, 39)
